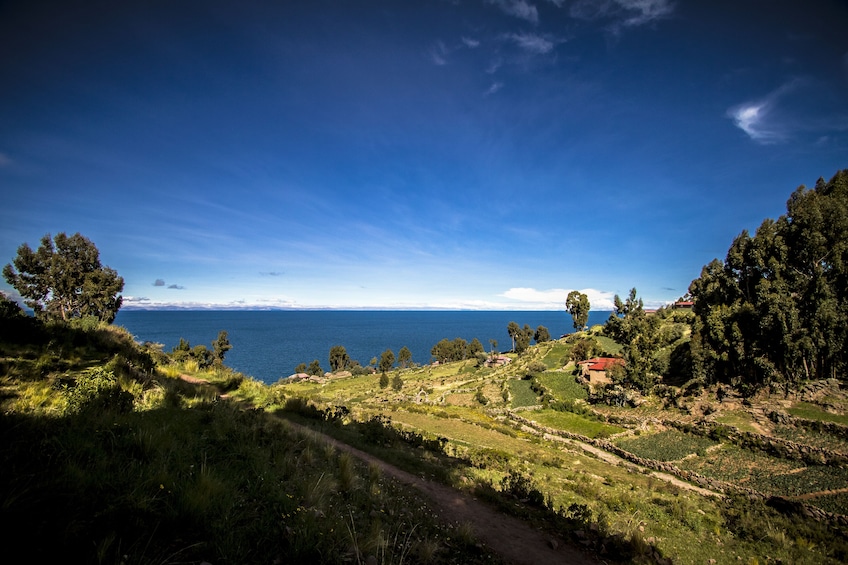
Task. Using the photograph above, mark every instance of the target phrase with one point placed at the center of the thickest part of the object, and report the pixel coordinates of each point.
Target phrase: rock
(554, 544)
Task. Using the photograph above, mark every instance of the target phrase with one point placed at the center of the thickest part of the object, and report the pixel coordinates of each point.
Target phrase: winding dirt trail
(515, 541)
(512, 539)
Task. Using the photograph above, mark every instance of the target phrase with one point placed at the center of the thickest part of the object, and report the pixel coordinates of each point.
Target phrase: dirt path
(512, 539)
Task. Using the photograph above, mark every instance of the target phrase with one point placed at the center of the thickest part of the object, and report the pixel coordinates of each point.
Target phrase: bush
(98, 391)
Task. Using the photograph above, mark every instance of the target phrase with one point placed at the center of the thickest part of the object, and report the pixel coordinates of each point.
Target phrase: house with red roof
(595, 370)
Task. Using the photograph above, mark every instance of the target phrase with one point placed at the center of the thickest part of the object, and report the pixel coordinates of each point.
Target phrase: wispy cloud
(494, 88)
(532, 43)
(645, 11)
(439, 53)
(555, 297)
(625, 13)
(519, 9)
(5, 160)
(472, 43)
(755, 117)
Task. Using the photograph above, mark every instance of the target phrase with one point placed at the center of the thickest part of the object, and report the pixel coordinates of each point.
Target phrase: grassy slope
(679, 524)
(180, 476)
(184, 476)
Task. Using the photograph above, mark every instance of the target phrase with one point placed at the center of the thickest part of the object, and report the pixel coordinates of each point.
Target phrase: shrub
(98, 391)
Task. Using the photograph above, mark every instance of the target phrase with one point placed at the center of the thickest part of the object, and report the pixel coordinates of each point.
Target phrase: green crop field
(668, 445)
(562, 385)
(522, 394)
(574, 423)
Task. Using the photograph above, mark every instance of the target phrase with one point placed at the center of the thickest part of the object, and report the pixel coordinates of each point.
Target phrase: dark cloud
(272, 274)
(176, 287)
(158, 282)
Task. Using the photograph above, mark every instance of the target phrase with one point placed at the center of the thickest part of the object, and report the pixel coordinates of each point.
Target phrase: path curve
(512, 539)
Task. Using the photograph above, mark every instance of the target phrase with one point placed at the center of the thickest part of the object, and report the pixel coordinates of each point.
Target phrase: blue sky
(476, 154)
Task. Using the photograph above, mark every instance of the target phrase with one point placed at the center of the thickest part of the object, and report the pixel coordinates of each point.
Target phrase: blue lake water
(268, 345)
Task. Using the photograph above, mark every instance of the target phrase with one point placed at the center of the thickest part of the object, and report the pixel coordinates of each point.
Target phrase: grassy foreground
(113, 453)
(108, 457)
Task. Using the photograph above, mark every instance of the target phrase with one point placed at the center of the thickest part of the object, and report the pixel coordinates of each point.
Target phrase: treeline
(775, 311)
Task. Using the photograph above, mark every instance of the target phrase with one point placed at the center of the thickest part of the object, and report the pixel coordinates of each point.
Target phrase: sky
(468, 154)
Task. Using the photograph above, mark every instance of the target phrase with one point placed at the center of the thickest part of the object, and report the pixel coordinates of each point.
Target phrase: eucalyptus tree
(387, 361)
(775, 311)
(339, 359)
(578, 306)
(404, 357)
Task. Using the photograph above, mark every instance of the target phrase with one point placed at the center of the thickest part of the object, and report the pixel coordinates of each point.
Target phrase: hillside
(117, 453)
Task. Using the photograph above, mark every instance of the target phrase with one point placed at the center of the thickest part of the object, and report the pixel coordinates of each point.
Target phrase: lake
(268, 345)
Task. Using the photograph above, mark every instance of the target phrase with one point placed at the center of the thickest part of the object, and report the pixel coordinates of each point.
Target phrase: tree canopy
(578, 306)
(776, 309)
(63, 279)
(339, 359)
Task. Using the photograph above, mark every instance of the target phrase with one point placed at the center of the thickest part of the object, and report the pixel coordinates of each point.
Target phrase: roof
(683, 304)
(601, 363)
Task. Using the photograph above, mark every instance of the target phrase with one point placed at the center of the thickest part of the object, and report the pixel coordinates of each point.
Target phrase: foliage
(520, 336)
(387, 361)
(776, 309)
(404, 357)
(542, 335)
(63, 279)
(448, 351)
(339, 359)
(585, 348)
(220, 347)
(638, 332)
(314, 368)
(578, 306)
(97, 391)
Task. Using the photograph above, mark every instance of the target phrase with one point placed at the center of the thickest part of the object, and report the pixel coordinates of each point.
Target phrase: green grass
(522, 394)
(668, 445)
(738, 419)
(574, 423)
(563, 386)
(609, 345)
(811, 411)
(558, 352)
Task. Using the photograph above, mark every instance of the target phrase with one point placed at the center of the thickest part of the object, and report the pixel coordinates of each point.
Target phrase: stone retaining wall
(723, 487)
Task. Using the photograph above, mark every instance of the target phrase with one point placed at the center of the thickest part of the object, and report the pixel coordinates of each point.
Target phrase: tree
(387, 360)
(397, 383)
(315, 368)
(300, 369)
(450, 350)
(775, 311)
(384, 380)
(339, 359)
(542, 335)
(578, 306)
(630, 326)
(63, 279)
(220, 347)
(404, 357)
(475, 348)
(513, 330)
